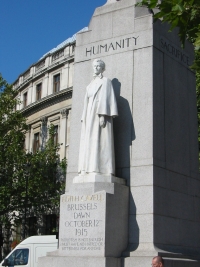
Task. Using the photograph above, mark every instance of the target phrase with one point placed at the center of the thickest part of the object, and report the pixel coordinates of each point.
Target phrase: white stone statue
(96, 153)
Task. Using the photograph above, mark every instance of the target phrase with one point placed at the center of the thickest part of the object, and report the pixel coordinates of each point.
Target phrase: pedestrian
(157, 262)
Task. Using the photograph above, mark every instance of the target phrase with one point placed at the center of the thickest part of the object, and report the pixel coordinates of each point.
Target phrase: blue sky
(30, 28)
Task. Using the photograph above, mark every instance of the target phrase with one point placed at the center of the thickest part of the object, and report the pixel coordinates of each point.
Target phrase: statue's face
(97, 68)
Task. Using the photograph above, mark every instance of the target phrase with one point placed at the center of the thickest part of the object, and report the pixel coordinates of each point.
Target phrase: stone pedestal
(93, 226)
(54, 261)
(95, 178)
(94, 220)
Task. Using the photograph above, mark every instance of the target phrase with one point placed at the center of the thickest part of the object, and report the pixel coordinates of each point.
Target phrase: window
(38, 91)
(55, 137)
(18, 257)
(25, 99)
(56, 83)
(36, 142)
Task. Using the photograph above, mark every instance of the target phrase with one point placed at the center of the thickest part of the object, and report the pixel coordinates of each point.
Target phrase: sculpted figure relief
(96, 153)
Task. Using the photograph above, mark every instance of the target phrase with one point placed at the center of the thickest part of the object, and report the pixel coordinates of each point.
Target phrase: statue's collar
(99, 76)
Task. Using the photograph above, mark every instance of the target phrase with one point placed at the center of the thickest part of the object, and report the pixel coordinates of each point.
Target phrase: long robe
(97, 143)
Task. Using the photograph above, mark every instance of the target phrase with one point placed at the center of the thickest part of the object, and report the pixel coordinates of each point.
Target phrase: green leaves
(197, 41)
(178, 9)
(153, 3)
(34, 181)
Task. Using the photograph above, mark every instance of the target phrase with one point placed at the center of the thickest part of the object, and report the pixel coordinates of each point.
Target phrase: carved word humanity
(123, 43)
(173, 51)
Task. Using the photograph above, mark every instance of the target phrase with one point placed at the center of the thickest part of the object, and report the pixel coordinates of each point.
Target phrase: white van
(28, 251)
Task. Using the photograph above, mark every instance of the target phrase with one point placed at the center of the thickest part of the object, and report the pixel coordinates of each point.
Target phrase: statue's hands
(102, 121)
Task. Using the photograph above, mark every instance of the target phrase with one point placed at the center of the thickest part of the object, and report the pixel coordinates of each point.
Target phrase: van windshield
(18, 257)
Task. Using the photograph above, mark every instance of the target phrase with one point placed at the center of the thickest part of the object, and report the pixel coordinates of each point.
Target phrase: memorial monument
(149, 204)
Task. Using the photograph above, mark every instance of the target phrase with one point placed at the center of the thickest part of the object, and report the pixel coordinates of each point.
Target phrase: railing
(15, 85)
(40, 65)
(26, 75)
(57, 55)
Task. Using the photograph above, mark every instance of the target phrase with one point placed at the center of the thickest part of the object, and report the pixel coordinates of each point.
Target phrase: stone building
(45, 92)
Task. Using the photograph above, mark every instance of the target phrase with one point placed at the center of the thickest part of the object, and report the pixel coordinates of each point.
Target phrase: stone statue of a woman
(96, 153)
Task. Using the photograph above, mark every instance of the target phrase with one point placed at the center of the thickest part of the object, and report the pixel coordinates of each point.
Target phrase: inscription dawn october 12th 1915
(82, 223)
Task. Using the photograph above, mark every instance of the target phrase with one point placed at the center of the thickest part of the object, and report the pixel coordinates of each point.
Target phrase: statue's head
(98, 66)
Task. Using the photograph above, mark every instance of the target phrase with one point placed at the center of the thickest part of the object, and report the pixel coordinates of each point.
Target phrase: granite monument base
(93, 227)
(61, 261)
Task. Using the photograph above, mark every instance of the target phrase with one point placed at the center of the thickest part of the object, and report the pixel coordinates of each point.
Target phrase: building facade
(45, 94)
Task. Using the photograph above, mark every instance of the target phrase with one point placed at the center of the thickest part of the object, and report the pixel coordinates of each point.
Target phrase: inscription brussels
(115, 45)
(88, 206)
(81, 222)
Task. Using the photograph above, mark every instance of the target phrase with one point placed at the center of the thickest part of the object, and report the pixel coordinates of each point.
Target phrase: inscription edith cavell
(83, 223)
(112, 46)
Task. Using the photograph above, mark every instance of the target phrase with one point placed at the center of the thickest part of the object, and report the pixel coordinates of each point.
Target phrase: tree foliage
(12, 133)
(29, 183)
